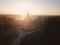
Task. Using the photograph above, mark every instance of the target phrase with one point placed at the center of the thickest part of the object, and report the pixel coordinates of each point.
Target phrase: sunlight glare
(21, 8)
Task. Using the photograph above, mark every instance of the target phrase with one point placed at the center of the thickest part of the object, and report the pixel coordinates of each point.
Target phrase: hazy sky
(33, 6)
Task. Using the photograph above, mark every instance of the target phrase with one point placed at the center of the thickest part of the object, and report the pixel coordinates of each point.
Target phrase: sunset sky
(35, 7)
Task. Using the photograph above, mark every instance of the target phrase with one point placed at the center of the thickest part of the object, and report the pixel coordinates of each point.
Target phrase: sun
(22, 18)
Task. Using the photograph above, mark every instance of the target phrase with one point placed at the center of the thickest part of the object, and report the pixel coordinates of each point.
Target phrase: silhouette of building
(28, 14)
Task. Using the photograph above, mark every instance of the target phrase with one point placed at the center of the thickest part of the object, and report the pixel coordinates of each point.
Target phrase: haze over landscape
(35, 7)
